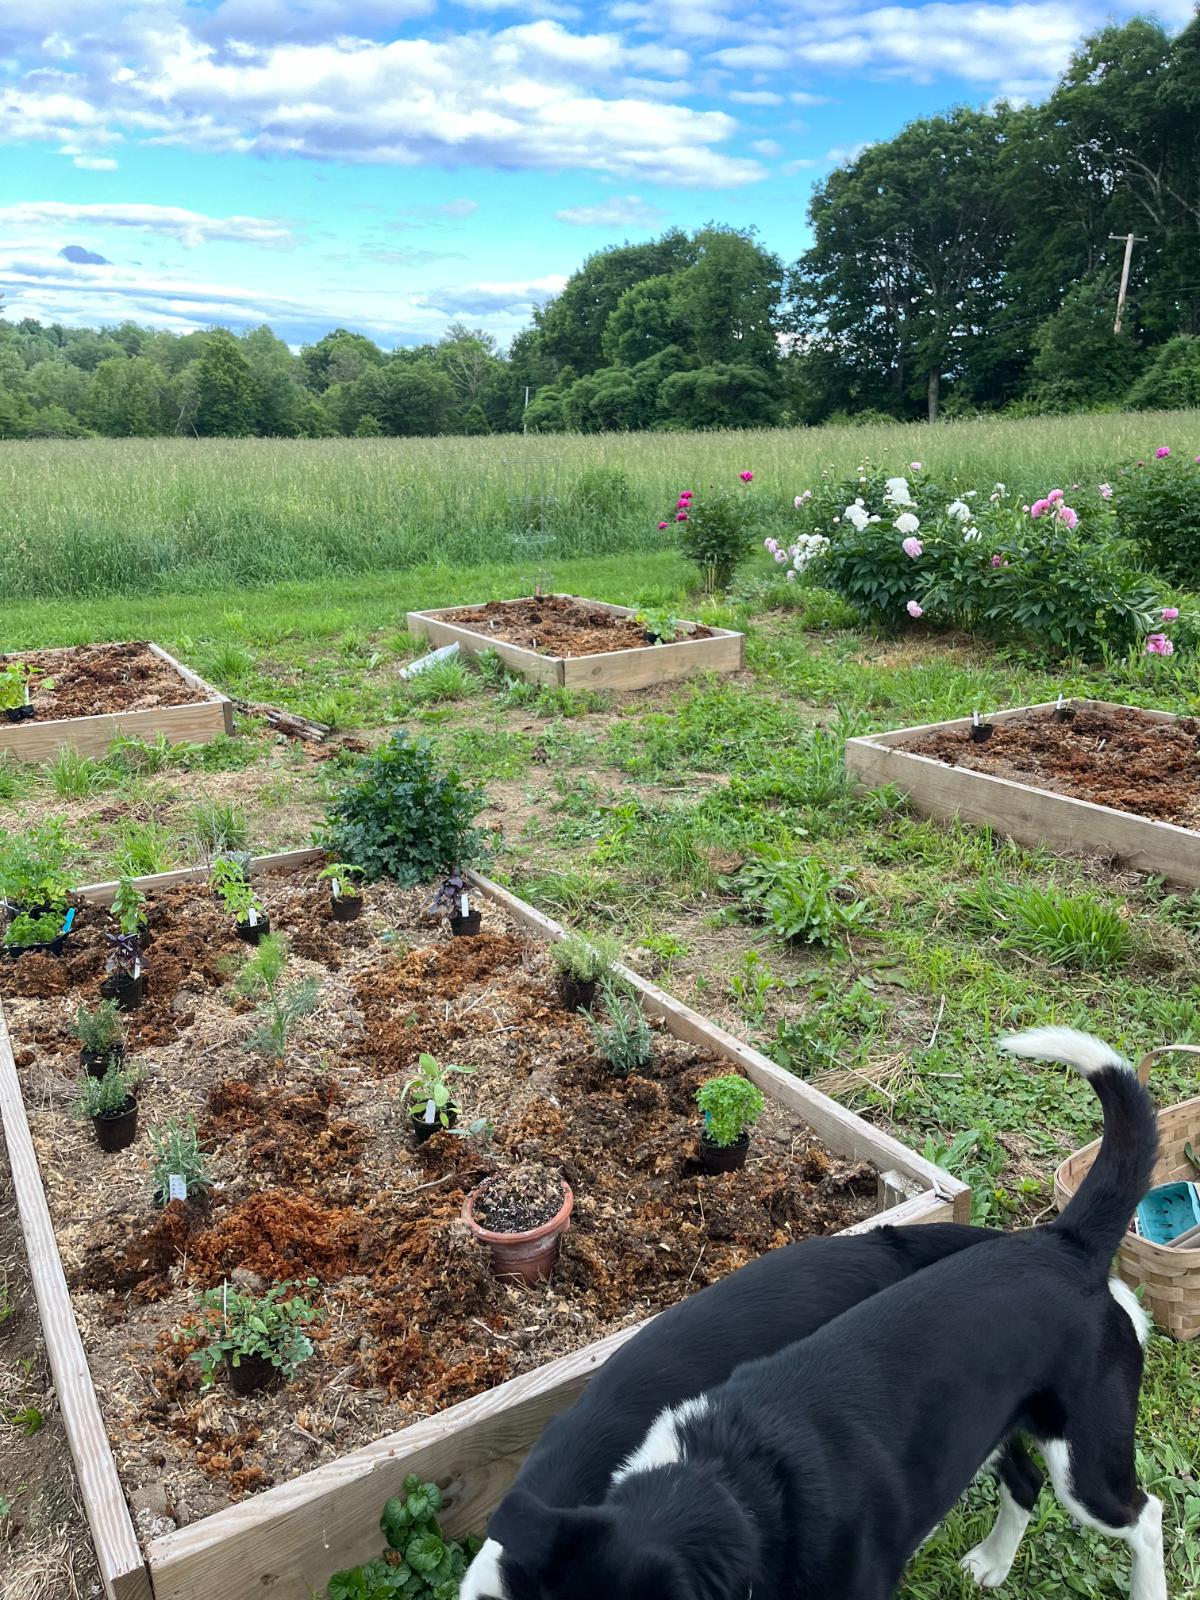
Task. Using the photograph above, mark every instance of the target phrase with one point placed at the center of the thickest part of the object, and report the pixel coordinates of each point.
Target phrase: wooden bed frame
(1022, 811)
(287, 1541)
(613, 669)
(197, 723)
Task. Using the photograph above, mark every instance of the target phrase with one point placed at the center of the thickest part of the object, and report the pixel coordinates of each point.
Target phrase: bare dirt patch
(1116, 758)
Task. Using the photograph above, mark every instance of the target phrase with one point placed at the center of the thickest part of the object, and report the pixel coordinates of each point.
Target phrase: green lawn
(635, 815)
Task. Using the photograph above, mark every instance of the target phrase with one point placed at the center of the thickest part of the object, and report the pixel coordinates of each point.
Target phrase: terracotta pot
(577, 993)
(252, 932)
(423, 1130)
(346, 907)
(97, 1062)
(117, 1129)
(251, 1374)
(465, 927)
(524, 1257)
(716, 1158)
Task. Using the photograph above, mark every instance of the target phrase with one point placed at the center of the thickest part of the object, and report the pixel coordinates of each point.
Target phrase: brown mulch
(1121, 759)
(558, 625)
(94, 679)
(316, 1176)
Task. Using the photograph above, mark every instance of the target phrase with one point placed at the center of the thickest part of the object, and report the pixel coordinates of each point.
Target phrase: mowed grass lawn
(634, 814)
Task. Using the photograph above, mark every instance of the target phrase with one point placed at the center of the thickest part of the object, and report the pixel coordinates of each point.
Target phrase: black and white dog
(814, 1473)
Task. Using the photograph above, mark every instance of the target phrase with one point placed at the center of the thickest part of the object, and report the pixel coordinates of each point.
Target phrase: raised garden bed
(100, 690)
(561, 639)
(424, 1361)
(1092, 777)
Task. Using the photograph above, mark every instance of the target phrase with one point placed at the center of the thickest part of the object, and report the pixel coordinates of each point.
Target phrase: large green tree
(224, 395)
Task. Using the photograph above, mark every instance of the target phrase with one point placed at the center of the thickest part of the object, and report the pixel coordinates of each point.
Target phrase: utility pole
(524, 425)
(1130, 240)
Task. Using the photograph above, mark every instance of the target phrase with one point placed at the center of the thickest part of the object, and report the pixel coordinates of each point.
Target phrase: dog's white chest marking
(662, 1446)
(484, 1580)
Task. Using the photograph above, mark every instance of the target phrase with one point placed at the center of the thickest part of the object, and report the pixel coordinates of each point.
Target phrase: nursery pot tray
(136, 689)
(287, 1539)
(1128, 763)
(629, 662)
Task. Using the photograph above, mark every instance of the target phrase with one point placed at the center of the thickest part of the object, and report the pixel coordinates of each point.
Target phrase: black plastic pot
(651, 638)
(465, 927)
(115, 1131)
(97, 1062)
(252, 1374)
(716, 1158)
(252, 932)
(423, 1130)
(54, 947)
(346, 907)
(20, 713)
(981, 732)
(125, 989)
(577, 994)
(1063, 714)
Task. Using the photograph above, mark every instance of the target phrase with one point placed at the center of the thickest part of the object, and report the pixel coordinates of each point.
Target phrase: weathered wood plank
(118, 1554)
(527, 663)
(1019, 811)
(102, 894)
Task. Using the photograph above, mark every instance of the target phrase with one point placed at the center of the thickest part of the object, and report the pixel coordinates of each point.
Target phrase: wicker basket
(1170, 1278)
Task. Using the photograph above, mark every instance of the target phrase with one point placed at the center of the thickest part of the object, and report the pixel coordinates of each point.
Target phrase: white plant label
(176, 1186)
(253, 917)
(137, 969)
(337, 890)
(431, 1111)
(465, 905)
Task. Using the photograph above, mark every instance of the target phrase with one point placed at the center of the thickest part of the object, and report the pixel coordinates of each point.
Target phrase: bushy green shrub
(799, 900)
(1157, 505)
(401, 817)
(1172, 380)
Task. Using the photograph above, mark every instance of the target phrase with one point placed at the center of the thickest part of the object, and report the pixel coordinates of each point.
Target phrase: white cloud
(767, 147)
(801, 97)
(753, 57)
(792, 169)
(95, 163)
(629, 211)
(755, 97)
(189, 227)
(534, 96)
(687, 19)
(478, 299)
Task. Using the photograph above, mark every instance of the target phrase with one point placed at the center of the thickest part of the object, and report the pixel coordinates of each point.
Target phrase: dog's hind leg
(1104, 1495)
(1020, 1483)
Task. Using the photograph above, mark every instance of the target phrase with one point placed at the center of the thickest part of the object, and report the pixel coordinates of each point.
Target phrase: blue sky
(395, 165)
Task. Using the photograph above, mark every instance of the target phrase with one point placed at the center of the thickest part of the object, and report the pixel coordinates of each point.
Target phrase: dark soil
(316, 1175)
(523, 1198)
(1117, 758)
(93, 679)
(557, 625)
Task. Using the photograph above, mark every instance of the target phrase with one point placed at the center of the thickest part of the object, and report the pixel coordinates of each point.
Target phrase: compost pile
(556, 625)
(1118, 758)
(317, 1175)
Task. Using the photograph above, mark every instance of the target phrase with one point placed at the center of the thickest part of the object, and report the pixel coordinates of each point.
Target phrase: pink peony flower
(771, 544)
(1106, 491)
(781, 556)
(790, 575)
(1071, 518)
(801, 498)
(687, 495)
(915, 466)
(997, 561)
(1038, 507)
(662, 525)
(1163, 451)
(681, 516)
(1157, 644)
(912, 547)
(682, 503)
(746, 477)
(1054, 496)
(914, 610)
(1170, 613)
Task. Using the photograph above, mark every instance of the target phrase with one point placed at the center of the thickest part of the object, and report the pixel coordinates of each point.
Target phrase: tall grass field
(132, 517)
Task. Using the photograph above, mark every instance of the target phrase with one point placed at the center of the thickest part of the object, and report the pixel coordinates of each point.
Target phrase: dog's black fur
(753, 1312)
(815, 1473)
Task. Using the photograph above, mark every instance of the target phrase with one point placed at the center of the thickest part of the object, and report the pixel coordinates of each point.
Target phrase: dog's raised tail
(1099, 1213)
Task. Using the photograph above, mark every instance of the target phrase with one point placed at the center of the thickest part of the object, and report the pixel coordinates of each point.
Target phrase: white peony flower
(971, 536)
(906, 523)
(959, 509)
(897, 492)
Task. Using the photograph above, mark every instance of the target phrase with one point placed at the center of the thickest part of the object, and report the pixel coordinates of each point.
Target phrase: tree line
(969, 264)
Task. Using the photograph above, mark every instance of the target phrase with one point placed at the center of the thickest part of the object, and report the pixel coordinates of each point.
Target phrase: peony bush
(906, 548)
(1156, 504)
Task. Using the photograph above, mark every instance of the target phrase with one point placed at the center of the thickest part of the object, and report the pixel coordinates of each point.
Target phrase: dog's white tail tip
(1083, 1051)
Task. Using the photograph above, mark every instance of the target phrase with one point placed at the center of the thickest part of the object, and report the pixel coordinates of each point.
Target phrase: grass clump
(1071, 930)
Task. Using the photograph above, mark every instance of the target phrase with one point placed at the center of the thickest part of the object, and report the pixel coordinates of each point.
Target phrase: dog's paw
(988, 1569)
